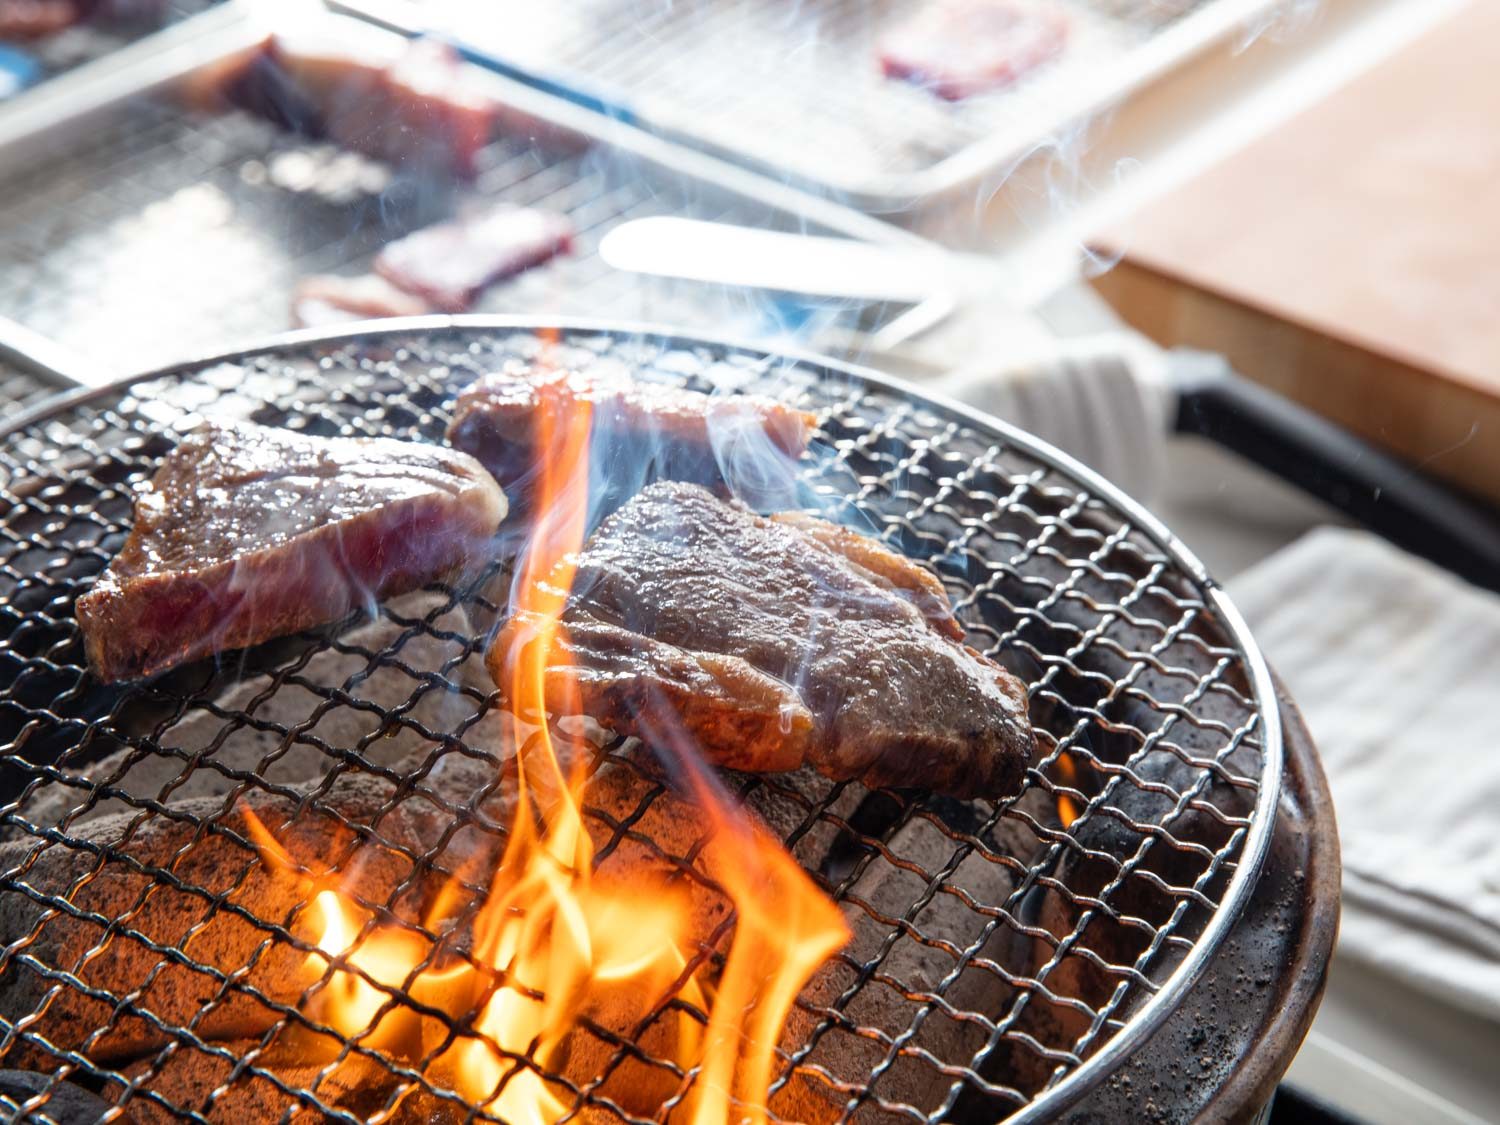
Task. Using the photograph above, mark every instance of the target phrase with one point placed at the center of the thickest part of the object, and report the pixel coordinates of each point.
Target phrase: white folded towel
(1099, 399)
(1396, 666)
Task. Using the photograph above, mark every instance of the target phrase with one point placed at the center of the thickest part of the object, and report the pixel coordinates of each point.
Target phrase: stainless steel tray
(793, 89)
(136, 232)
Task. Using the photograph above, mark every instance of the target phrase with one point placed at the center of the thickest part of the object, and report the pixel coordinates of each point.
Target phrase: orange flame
(557, 939)
(1067, 807)
(785, 928)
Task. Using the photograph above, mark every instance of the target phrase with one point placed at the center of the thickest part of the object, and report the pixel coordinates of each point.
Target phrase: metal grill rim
(1249, 845)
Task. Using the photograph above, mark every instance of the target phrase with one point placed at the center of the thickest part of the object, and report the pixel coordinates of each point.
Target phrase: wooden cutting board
(1351, 258)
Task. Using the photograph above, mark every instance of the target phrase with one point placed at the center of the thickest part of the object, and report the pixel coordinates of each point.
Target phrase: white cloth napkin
(1396, 666)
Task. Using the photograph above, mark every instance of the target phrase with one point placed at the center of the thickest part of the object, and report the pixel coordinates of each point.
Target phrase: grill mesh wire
(163, 233)
(1149, 726)
(806, 93)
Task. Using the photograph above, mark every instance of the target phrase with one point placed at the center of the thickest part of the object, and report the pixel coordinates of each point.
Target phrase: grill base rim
(1145, 1022)
(1305, 865)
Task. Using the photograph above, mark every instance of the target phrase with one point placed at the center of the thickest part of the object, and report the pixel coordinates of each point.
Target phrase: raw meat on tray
(960, 48)
(405, 103)
(451, 263)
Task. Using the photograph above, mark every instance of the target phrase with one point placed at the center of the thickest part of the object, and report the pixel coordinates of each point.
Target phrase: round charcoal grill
(1010, 958)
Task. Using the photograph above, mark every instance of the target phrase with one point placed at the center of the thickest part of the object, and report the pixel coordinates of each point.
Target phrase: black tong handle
(1377, 490)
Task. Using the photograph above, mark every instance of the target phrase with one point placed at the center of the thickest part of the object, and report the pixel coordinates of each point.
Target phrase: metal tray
(136, 232)
(794, 91)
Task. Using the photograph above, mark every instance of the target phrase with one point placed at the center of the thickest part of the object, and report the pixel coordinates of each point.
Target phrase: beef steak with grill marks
(248, 532)
(773, 642)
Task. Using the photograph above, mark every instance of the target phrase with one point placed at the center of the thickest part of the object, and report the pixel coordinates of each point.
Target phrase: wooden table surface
(1351, 258)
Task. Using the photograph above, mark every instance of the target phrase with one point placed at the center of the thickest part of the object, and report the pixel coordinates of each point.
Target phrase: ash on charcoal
(807, 812)
(803, 809)
(903, 951)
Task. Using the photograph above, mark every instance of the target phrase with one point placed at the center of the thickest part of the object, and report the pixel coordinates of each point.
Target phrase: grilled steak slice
(682, 433)
(959, 48)
(248, 532)
(773, 642)
(449, 264)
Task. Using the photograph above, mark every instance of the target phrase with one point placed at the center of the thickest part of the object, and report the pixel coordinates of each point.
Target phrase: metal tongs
(921, 275)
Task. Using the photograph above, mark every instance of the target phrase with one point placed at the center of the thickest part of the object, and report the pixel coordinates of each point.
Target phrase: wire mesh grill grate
(148, 955)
